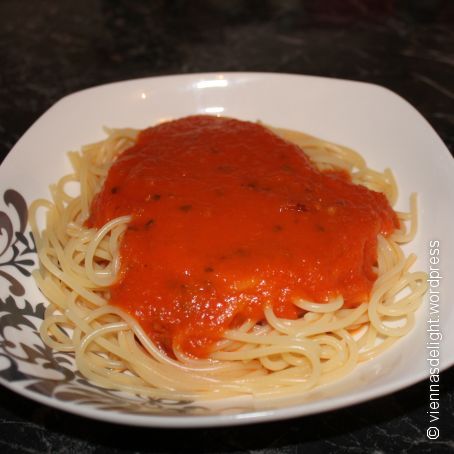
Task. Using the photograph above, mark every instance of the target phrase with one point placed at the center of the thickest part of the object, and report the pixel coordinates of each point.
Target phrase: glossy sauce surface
(227, 218)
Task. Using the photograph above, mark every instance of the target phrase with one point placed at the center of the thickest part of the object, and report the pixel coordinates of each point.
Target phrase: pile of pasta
(274, 357)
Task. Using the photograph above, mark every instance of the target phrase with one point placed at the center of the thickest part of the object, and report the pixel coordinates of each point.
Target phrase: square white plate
(383, 127)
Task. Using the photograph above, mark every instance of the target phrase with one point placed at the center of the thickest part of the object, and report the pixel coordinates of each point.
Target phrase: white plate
(382, 126)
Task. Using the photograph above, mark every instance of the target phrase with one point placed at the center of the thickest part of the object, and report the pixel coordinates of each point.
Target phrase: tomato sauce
(228, 218)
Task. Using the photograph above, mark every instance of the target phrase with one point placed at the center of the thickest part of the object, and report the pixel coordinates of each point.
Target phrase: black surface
(51, 48)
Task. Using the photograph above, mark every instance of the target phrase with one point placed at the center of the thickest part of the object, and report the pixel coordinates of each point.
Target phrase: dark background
(51, 48)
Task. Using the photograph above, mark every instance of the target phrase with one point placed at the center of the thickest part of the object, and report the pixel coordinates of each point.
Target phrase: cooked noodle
(274, 357)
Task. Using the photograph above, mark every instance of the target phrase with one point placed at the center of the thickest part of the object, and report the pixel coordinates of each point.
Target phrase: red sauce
(227, 218)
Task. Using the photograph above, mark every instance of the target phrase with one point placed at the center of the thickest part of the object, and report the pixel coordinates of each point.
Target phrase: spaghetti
(258, 347)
